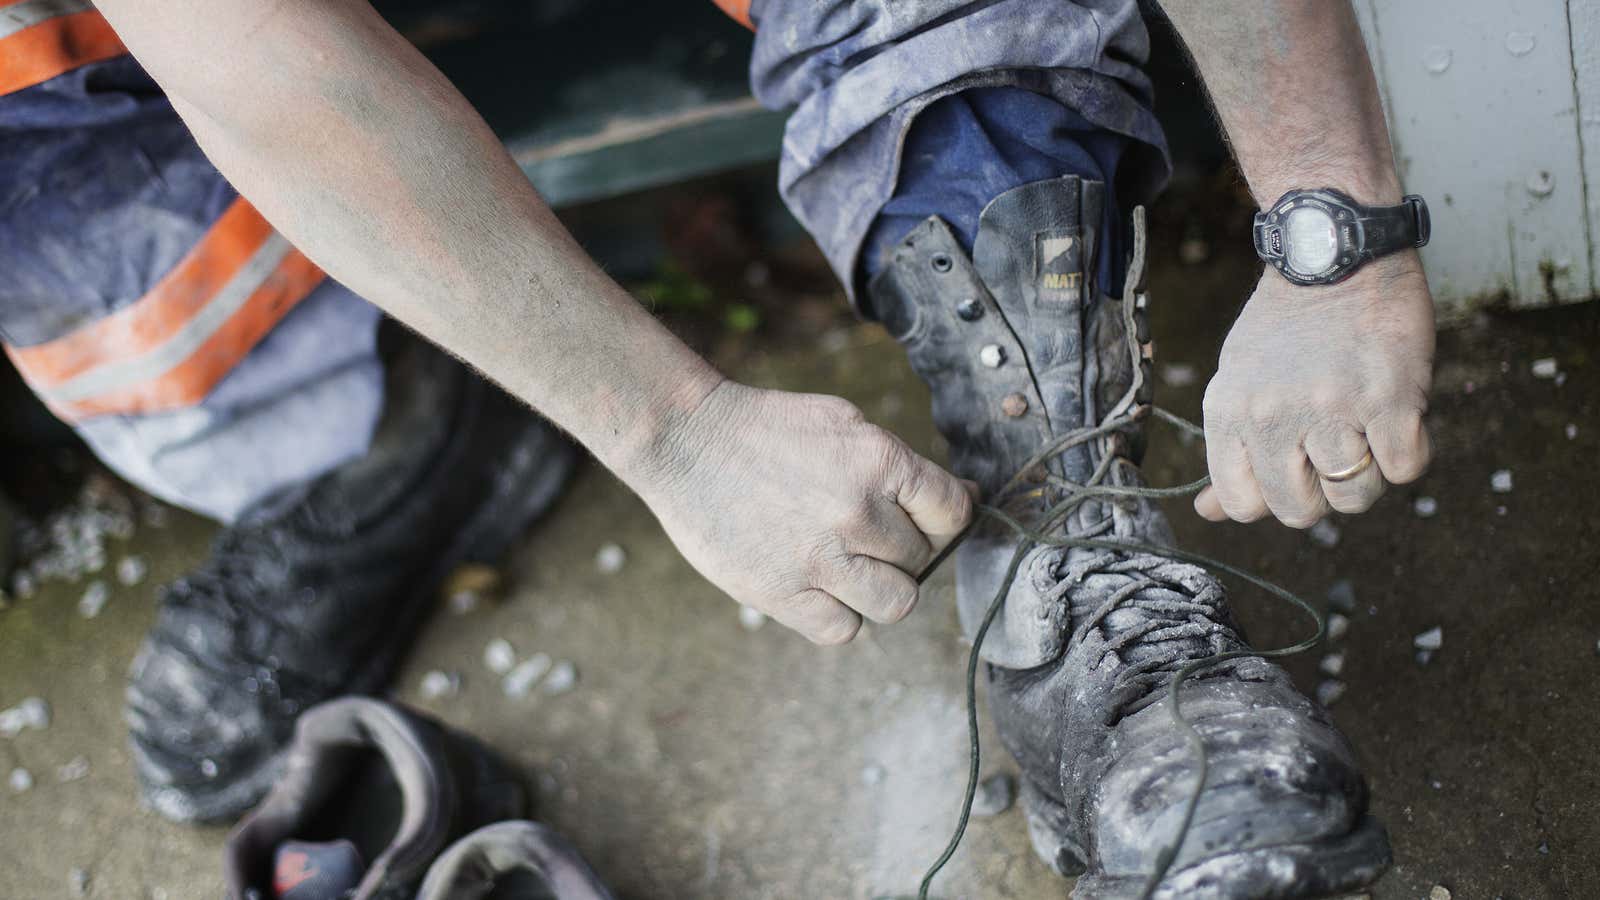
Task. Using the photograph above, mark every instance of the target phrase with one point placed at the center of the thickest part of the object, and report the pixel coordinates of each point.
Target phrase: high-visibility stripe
(170, 348)
(40, 39)
(738, 10)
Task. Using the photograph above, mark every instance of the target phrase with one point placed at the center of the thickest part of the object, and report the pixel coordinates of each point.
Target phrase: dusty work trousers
(210, 363)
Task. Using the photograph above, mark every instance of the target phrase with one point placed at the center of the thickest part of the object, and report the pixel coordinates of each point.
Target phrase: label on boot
(1058, 266)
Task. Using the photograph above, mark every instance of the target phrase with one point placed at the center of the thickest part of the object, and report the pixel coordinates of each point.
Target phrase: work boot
(370, 795)
(1020, 348)
(317, 594)
(512, 861)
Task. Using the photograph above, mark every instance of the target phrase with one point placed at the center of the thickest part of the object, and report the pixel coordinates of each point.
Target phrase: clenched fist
(1310, 381)
(795, 505)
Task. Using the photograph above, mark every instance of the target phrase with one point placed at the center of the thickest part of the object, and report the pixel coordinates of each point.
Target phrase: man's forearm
(1295, 91)
(373, 165)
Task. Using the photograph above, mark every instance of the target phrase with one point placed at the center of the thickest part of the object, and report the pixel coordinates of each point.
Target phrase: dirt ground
(698, 758)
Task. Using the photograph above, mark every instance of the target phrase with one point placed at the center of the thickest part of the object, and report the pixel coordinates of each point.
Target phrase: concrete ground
(696, 758)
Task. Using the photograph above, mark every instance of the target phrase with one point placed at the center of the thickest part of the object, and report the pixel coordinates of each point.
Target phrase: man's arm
(373, 165)
(1309, 376)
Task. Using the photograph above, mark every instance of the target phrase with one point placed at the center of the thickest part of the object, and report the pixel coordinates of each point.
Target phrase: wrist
(657, 445)
(1370, 185)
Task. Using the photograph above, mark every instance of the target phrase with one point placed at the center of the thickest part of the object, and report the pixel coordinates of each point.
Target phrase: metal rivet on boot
(992, 355)
(970, 310)
(941, 262)
(1014, 405)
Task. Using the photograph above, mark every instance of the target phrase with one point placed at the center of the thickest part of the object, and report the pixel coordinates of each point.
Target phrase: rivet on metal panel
(1541, 183)
(992, 355)
(1436, 59)
(1014, 405)
(1519, 43)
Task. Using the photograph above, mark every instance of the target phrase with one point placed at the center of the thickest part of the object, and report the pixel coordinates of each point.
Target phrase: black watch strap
(1386, 229)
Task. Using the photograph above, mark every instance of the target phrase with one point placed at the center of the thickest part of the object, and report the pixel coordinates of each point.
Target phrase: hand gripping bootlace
(1137, 687)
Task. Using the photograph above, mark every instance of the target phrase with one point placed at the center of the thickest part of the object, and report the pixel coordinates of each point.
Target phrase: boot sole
(486, 536)
(1330, 869)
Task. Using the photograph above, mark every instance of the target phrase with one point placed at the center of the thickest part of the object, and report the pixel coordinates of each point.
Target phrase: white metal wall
(1492, 104)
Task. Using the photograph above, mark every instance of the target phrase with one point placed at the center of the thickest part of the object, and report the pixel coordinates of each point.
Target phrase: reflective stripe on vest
(40, 39)
(169, 348)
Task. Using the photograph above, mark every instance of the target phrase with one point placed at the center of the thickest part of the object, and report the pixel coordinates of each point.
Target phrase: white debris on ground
(75, 769)
(1439, 892)
(1329, 691)
(94, 599)
(1338, 626)
(131, 570)
(995, 795)
(437, 683)
(563, 677)
(520, 680)
(32, 712)
(751, 618)
(71, 542)
(1179, 374)
(610, 558)
(1432, 639)
(1571, 431)
(1545, 368)
(1332, 664)
(1342, 595)
(1324, 534)
(469, 586)
(499, 656)
(1425, 507)
(872, 775)
(20, 780)
(1500, 481)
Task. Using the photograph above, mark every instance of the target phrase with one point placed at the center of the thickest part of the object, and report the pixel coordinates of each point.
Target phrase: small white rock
(208, 767)
(1179, 374)
(1500, 481)
(1329, 692)
(1571, 431)
(1439, 892)
(1342, 595)
(522, 677)
(94, 599)
(21, 780)
(12, 722)
(1338, 626)
(1545, 368)
(610, 559)
(436, 684)
(1425, 507)
(130, 570)
(75, 769)
(872, 775)
(751, 618)
(1332, 664)
(1432, 639)
(1424, 657)
(1324, 533)
(35, 713)
(563, 677)
(499, 656)
(995, 795)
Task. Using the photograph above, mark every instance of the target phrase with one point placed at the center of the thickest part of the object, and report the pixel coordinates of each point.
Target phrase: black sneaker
(370, 795)
(1021, 348)
(317, 594)
(512, 861)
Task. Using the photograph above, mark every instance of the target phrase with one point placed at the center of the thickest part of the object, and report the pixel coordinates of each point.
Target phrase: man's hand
(796, 505)
(1310, 378)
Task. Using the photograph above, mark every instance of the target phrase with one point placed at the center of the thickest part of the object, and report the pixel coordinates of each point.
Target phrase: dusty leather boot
(1020, 347)
(319, 592)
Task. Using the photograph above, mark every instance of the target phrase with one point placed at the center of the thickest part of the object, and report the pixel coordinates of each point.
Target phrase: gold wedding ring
(1351, 472)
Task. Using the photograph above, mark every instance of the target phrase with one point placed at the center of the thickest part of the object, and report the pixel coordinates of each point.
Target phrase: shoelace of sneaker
(1040, 533)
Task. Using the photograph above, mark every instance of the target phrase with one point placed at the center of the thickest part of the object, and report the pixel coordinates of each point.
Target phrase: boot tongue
(315, 870)
(1034, 250)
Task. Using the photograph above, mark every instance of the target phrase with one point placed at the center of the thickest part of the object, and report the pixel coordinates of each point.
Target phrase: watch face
(1311, 244)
